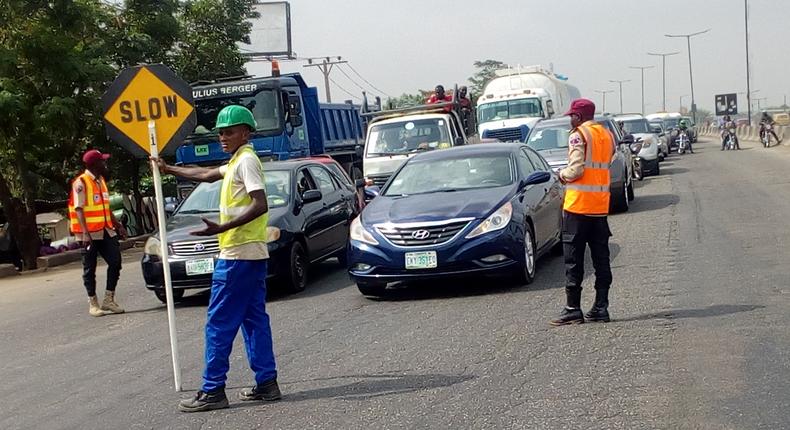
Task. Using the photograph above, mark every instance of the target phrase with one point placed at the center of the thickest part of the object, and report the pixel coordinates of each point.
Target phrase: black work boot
(600, 310)
(568, 316)
(572, 313)
(268, 391)
(204, 402)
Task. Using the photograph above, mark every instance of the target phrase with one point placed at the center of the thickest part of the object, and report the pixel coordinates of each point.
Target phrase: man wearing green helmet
(238, 289)
(683, 128)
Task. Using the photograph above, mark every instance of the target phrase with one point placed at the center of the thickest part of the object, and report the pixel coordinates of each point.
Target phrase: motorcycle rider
(728, 126)
(767, 119)
(683, 128)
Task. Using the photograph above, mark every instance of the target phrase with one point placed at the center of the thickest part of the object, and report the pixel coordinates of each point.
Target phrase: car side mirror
(311, 196)
(628, 139)
(460, 141)
(534, 178)
(170, 208)
(359, 150)
(371, 192)
(550, 108)
(294, 111)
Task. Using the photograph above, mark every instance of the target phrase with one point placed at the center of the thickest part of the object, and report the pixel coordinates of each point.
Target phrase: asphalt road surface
(700, 336)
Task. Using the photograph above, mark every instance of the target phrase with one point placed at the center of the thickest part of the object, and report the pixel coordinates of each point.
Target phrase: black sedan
(309, 217)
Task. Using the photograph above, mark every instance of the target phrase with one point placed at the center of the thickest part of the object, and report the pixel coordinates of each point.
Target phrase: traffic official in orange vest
(586, 179)
(96, 228)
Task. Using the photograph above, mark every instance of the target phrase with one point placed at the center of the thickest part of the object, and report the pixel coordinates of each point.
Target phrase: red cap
(92, 156)
(582, 107)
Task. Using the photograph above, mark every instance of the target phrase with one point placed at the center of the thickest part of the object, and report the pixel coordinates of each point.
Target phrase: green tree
(408, 100)
(53, 66)
(486, 71)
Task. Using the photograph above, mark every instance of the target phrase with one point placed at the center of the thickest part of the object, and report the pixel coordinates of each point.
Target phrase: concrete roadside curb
(50, 261)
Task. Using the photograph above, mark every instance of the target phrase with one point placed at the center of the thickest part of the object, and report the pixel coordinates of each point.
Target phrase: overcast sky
(402, 45)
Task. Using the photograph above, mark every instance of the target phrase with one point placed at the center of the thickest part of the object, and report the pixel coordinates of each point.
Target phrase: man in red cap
(586, 206)
(94, 225)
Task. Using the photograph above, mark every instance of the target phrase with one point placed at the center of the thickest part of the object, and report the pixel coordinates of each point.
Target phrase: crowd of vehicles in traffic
(401, 194)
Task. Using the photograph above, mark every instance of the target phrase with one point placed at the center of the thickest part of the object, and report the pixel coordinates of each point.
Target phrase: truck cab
(291, 123)
(396, 135)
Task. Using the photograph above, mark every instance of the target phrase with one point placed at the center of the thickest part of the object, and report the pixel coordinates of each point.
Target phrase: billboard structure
(726, 104)
(270, 36)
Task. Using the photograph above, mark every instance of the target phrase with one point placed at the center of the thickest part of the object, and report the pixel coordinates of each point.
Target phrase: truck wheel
(162, 296)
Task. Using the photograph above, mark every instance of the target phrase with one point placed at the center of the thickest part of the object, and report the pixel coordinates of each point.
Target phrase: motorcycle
(729, 140)
(765, 134)
(683, 142)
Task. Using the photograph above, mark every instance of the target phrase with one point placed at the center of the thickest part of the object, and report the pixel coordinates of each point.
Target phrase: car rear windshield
(636, 126)
(452, 174)
(205, 197)
(408, 136)
(548, 138)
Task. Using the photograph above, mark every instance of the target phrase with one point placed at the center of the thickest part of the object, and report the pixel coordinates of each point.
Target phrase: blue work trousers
(238, 299)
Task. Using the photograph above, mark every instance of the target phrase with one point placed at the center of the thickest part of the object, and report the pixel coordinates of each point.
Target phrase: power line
(366, 81)
(343, 89)
(352, 80)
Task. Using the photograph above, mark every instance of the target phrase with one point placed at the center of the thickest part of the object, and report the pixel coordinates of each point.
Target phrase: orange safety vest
(589, 195)
(97, 206)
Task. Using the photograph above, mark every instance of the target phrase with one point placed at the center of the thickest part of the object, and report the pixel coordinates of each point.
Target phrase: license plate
(421, 260)
(200, 266)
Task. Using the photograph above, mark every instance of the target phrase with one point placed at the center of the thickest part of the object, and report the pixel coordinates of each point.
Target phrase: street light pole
(642, 69)
(691, 75)
(663, 75)
(621, 91)
(748, 79)
(603, 92)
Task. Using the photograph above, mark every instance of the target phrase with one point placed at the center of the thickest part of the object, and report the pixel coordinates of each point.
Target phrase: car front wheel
(297, 268)
(372, 289)
(526, 270)
(162, 296)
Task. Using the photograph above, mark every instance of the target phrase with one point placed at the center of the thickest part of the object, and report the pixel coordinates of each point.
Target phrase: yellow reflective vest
(230, 208)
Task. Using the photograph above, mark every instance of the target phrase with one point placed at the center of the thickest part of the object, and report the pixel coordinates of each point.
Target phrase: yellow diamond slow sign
(148, 93)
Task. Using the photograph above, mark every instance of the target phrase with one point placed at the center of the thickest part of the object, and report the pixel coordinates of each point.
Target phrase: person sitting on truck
(439, 96)
(463, 100)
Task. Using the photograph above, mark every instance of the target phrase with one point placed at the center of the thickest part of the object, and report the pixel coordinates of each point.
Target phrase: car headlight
(359, 233)
(152, 247)
(497, 221)
(272, 234)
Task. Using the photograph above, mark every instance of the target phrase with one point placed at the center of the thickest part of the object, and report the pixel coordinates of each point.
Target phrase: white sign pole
(160, 216)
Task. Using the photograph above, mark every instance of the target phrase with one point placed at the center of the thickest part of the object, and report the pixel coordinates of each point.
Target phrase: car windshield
(548, 138)
(671, 122)
(408, 136)
(453, 174)
(263, 105)
(510, 109)
(205, 197)
(636, 126)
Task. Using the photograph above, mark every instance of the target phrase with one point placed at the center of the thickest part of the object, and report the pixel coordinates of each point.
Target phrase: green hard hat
(235, 115)
(683, 122)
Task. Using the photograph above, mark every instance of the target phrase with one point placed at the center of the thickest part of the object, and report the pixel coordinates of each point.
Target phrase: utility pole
(663, 75)
(748, 78)
(603, 92)
(691, 75)
(642, 68)
(325, 66)
(621, 91)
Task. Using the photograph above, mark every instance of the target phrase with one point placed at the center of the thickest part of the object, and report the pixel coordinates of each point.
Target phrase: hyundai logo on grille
(199, 247)
(420, 234)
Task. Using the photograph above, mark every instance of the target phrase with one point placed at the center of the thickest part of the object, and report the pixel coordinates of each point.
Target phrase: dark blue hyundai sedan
(477, 209)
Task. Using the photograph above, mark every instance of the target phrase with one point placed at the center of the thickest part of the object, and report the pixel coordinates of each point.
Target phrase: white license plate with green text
(201, 266)
(421, 260)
